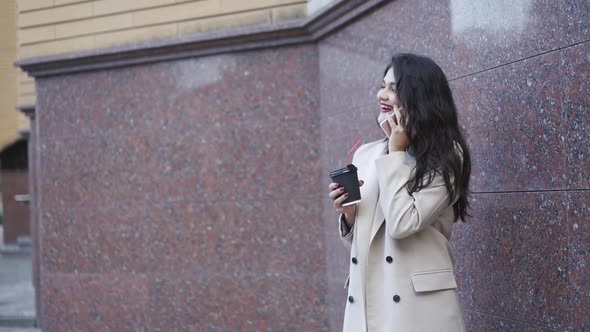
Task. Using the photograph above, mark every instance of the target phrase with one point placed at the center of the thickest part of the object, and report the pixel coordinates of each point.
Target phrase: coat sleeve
(407, 214)
(345, 232)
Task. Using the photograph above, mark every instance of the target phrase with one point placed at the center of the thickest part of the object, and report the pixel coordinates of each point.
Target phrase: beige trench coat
(401, 264)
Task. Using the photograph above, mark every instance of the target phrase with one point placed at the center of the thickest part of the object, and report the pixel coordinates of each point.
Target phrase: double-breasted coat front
(401, 264)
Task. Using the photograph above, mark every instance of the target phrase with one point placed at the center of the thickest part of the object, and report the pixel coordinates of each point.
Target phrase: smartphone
(386, 128)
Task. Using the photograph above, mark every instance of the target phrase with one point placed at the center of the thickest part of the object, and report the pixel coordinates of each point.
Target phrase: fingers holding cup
(333, 186)
(338, 201)
(335, 193)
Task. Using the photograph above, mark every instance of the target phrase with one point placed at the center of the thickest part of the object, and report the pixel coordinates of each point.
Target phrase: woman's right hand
(398, 138)
(338, 195)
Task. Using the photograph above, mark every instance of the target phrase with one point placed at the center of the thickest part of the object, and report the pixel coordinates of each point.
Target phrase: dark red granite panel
(33, 205)
(211, 136)
(336, 297)
(125, 99)
(204, 166)
(477, 321)
(463, 36)
(177, 96)
(102, 170)
(578, 265)
(91, 302)
(337, 256)
(574, 20)
(254, 302)
(341, 131)
(236, 237)
(348, 80)
(512, 258)
(515, 125)
(226, 237)
(60, 301)
(575, 67)
(275, 84)
(105, 239)
(279, 159)
(268, 159)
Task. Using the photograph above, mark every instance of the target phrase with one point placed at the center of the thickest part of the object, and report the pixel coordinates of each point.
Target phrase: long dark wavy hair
(431, 122)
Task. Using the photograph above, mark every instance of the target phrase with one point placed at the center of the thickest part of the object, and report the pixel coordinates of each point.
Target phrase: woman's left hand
(398, 141)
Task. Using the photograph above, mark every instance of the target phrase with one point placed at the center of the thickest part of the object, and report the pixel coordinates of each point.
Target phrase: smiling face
(387, 96)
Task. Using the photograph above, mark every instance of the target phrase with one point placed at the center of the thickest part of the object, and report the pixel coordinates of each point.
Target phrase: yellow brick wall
(10, 118)
(48, 27)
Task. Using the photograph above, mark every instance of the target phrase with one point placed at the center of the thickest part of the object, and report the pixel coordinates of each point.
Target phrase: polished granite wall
(190, 195)
(519, 71)
(183, 196)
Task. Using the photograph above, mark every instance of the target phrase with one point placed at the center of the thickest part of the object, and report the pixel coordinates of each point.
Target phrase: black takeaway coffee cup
(347, 177)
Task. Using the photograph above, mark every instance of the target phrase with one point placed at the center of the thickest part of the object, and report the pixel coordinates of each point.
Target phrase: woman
(414, 186)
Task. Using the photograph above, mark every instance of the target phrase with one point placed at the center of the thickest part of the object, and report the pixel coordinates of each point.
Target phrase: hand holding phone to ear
(398, 138)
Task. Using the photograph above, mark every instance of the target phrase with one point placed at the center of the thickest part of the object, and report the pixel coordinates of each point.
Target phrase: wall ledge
(28, 110)
(308, 30)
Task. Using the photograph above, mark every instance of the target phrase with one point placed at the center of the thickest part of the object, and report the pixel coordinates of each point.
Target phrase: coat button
(354, 260)
(396, 298)
(350, 299)
(389, 259)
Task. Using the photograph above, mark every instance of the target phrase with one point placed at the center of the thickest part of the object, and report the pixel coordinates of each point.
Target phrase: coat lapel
(378, 220)
(379, 217)
(370, 191)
